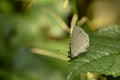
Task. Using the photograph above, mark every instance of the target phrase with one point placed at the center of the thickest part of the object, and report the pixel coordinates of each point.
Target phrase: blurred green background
(34, 34)
(28, 27)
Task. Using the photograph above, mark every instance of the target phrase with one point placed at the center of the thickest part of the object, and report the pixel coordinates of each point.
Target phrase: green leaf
(102, 56)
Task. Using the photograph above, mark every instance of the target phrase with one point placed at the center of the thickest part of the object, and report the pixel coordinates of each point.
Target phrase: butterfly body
(79, 42)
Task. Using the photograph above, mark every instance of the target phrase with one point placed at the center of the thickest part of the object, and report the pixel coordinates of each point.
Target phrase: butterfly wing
(79, 41)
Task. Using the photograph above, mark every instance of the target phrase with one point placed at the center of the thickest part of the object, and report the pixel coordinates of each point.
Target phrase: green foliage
(102, 56)
(27, 24)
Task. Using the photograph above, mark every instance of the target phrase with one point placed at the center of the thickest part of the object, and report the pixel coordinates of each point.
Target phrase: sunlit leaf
(102, 56)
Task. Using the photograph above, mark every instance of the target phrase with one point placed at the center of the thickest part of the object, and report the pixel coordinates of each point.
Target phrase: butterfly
(79, 42)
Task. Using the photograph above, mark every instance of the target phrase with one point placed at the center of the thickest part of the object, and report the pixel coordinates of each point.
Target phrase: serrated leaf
(102, 56)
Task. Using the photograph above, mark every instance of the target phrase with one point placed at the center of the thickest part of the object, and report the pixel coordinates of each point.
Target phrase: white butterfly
(79, 42)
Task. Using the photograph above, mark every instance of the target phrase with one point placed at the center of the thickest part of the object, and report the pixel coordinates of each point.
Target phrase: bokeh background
(33, 45)
(34, 34)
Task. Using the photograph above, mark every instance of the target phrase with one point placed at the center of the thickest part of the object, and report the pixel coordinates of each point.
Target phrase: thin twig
(58, 19)
(65, 5)
(73, 22)
(48, 53)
